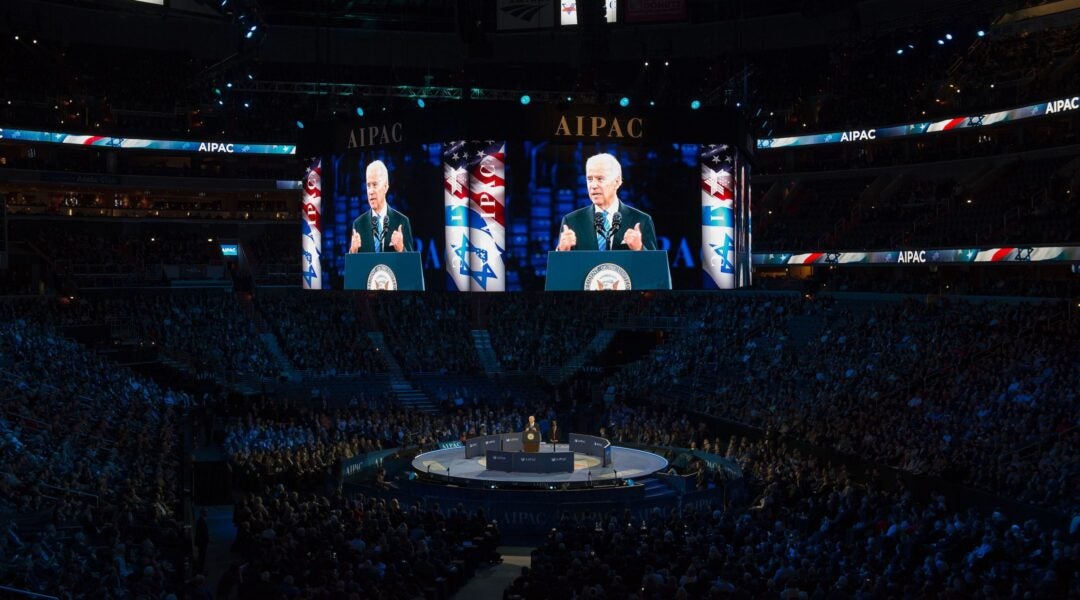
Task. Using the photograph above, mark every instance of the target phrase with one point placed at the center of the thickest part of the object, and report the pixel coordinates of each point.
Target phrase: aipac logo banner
(928, 256)
(474, 200)
(487, 217)
(524, 14)
(718, 217)
(311, 229)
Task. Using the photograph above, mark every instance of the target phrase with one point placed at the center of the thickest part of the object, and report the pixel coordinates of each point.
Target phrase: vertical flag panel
(718, 217)
(456, 206)
(311, 228)
(487, 216)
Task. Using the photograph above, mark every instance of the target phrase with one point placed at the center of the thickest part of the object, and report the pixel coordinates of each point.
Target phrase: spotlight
(695, 104)
(569, 98)
(420, 102)
(980, 33)
(221, 103)
(299, 124)
(941, 42)
(229, 85)
(624, 102)
(652, 102)
(525, 99)
(646, 62)
(359, 111)
(666, 63)
(247, 105)
(900, 51)
(217, 91)
(16, 37)
(250, 76)
(948, 36)
(248, 35)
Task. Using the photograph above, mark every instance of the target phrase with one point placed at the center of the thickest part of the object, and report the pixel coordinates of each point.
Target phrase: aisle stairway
(404, 391)
(281, 362)
(486, 354)
(411, 397)
(654, 488)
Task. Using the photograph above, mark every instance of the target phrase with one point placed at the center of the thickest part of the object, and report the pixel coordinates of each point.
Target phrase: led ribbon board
(1008, 255)
(200, 147)
(1042, 109)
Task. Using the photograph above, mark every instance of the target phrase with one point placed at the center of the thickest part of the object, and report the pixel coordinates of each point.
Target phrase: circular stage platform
(626, 463)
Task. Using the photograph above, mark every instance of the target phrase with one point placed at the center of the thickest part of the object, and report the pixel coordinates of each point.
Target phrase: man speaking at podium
(530, 440)
(380, 229)
(608, 224)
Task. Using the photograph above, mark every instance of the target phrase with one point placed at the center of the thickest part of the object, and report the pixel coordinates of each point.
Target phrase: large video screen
(520, 215)
(382, 202)
(649, 197)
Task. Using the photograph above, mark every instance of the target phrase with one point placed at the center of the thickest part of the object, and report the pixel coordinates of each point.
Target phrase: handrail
(26, 593)
(71, 491)
(1037, 443)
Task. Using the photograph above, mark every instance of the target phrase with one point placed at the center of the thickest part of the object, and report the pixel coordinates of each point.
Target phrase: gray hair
(379, 169)
(607, 162)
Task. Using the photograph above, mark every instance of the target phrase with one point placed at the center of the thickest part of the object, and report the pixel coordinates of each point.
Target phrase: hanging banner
(311, 229)
(718, 217)
(524, 14)
(455, 159)
(487, 216)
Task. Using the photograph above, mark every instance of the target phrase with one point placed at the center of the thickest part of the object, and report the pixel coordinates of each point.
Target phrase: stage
(626, 463)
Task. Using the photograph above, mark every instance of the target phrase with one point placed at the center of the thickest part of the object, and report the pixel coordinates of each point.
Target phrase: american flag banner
(718, 217)
(311, 228)
(455, 159)
(487, 217)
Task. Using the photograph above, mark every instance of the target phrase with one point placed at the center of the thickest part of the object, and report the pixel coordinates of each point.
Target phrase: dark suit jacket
(362, 225)
(581, 222)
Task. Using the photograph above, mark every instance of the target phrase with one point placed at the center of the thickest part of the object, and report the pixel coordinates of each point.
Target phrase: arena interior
(313, 300)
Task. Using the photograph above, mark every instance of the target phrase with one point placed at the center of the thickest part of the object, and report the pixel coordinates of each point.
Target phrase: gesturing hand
(397, 240)
(567, 239)
(632, 237)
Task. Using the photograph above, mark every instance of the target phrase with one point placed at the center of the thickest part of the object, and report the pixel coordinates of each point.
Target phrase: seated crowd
(810, 531)
(273, 440)
(321, 334)
(428, 333)
(980, 394)
(89, 489)
(297, 544)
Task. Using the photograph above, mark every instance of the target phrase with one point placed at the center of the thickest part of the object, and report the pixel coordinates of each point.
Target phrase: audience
(810, 531)
(90, 491)
(298, 544)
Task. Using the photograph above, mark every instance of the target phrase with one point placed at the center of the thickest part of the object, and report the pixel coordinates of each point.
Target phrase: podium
(384, 271)
(530, 441)
(615, 270)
